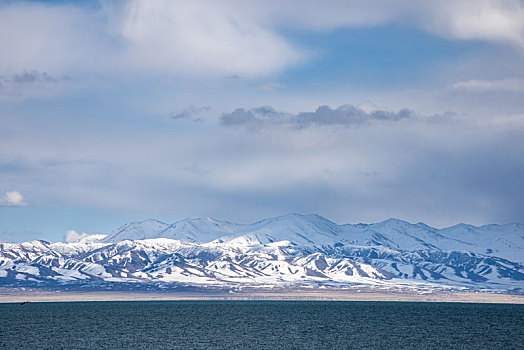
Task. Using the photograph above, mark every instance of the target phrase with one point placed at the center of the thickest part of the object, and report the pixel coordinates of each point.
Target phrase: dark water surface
(261, 325)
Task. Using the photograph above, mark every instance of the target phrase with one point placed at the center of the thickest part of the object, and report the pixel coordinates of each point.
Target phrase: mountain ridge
(389, 220)
(288, 250)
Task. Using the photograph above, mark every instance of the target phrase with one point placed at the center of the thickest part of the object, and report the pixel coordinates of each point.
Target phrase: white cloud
(186, 38)
(12, 199)
(499, 21)
(508, 85)
(201, 36)
(73, 236)
(47, 38)
(204, 37)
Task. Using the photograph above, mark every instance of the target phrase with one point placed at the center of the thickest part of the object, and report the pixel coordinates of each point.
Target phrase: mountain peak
(393, 222)
(137, 230)
(297, 218)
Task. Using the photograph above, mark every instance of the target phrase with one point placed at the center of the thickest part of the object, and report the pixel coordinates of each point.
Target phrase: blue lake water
(261, 325)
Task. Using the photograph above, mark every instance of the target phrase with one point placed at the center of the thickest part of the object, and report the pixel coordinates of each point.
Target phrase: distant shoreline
(15, 295)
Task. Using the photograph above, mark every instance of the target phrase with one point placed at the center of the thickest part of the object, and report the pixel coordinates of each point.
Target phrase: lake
(261, 325)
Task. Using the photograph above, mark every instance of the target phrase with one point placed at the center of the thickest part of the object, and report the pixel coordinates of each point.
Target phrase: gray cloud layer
(439, 173)
(29, 83)
(30, 78)
(344, 115)
(189, 113)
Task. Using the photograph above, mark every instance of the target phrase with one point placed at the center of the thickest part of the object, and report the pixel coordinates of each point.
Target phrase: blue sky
(114, 111)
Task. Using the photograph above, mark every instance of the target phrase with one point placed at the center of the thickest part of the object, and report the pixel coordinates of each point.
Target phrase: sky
(118, 111)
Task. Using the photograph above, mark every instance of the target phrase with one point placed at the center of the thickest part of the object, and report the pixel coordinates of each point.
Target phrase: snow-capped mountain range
(286, 251)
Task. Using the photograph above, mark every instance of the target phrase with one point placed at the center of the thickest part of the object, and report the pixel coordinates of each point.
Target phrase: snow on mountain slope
(496, 240)
(200, 230)
(287, 250)
(137, 230)
(301, 229)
